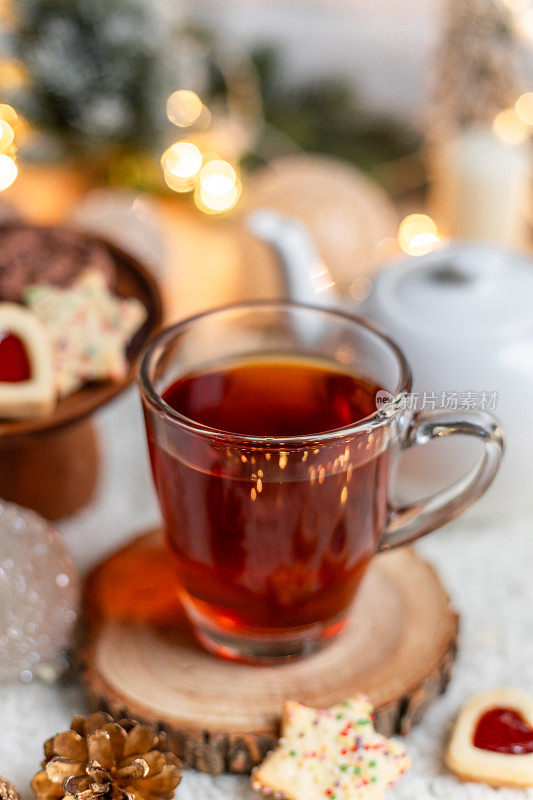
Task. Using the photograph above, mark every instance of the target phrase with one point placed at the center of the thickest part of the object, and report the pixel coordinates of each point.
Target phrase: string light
(217, 203)
(181, 164)
(524, 20)
(12, 74)
(510, 128)
(184, 108)
(6, 135)
(517, 6)
(524, 107)
(8, 114)
(218, 189)
(193, 166)
(417, 234)
(522, 12)
(10, 125)
(183, 159)
(8, 172)
(217, 177)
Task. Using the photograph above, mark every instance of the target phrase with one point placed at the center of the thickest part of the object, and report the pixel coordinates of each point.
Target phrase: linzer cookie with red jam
(26, 374)
(55, 256)
(331, 754)
(492, 739)
(89, 328)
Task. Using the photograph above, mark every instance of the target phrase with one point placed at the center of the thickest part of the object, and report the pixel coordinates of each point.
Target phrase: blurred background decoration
(480, 156)
(196, 107)
(371, 155)
(89, 76)
(113, 87)
(103, 85)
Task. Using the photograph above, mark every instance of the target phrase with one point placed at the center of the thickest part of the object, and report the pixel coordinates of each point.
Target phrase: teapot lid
(462, 290)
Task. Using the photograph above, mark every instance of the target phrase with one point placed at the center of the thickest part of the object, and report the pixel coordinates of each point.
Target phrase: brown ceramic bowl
(49, 463)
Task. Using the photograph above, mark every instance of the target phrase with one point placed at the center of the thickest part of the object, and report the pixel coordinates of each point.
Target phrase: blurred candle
(481, 183)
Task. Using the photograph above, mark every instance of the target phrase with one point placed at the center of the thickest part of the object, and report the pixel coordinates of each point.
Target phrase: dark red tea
(269, 539)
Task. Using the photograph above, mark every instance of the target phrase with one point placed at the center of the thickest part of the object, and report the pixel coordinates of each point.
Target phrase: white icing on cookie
(89, 328)
(487, 766)
(36, 396)
(333, 753)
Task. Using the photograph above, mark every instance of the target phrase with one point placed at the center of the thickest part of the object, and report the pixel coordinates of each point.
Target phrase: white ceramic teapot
(463, 315)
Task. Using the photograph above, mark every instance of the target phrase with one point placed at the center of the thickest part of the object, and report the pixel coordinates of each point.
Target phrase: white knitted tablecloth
(487, 568)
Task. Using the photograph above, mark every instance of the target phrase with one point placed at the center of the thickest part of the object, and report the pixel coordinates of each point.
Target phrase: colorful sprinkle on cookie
(330, 753)
(89, 328)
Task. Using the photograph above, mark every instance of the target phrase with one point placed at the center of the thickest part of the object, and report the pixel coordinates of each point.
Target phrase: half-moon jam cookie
(492, 739)
(27, 387)
(14, 360)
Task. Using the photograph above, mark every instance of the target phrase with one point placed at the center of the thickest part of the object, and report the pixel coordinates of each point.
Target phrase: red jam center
(504, 731)
(14, 361)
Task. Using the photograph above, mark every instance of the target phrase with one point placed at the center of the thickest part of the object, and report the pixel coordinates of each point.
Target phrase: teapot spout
(305, 277)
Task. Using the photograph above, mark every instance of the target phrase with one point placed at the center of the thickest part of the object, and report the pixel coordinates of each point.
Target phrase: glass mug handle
(406, 523)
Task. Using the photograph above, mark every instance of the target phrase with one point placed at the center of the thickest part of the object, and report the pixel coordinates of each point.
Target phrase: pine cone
(99, 759)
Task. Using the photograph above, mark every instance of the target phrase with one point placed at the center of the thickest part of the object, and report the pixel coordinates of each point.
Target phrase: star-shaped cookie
(330, 754)
(89, 328)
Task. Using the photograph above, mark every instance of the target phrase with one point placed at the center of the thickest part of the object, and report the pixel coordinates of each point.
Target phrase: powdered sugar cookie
(333, 753)
(89, 328)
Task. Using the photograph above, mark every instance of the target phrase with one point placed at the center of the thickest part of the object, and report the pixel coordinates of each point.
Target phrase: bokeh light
(525, 22)
(417, 234)
(181, 164)
(217, 203)
(8, 172)
(182, 159)
(510, 128)
(517, 6)
(217, 177)
(184, 108)
(8, 114)
(219, 188)
(524, 107)
(12, 74)
(6, 135)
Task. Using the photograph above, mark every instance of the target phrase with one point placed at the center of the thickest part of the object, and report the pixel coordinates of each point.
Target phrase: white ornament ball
(39, 596)
(350, 218)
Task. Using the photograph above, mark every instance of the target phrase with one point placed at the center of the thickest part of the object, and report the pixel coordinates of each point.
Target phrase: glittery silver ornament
(39, 596)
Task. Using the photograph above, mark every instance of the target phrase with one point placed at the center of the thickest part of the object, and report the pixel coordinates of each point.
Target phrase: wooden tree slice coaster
(398, 648)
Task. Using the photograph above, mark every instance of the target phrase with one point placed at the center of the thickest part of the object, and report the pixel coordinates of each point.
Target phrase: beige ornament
(349, 217)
